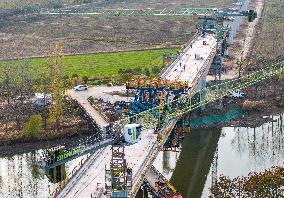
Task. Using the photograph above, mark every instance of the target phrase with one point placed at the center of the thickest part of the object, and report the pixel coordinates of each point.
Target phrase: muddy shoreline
(251, 119)
(17, 148)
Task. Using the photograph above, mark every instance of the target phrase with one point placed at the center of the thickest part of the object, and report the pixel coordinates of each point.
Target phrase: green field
(105, 64)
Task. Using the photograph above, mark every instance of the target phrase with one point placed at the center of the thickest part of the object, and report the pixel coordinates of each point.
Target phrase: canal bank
(240, 150)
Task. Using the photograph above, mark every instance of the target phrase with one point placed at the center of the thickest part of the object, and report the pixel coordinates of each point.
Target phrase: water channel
(238, 150)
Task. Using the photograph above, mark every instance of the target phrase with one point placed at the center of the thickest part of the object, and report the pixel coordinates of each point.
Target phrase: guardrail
(62, 184)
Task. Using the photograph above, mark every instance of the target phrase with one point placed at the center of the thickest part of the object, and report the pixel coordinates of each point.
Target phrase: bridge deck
(92, 175)
(187, 66)
(140, 155)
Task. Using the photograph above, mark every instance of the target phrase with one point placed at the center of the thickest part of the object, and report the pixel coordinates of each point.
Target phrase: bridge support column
(233, 28)
(226, 52)
(230, 37)
(237, 23)
(202, 95)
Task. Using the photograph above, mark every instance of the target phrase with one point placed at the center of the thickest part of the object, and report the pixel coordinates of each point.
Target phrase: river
(238, 150)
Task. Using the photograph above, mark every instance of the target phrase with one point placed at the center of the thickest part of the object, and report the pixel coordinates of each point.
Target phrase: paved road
(103, 92)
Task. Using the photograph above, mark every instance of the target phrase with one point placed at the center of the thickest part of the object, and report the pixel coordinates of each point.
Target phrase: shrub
(33, 128)
(85, 79)
(264, 184)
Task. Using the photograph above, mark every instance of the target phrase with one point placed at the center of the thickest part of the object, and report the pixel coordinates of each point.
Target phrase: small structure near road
(132, 133)
(41, 99)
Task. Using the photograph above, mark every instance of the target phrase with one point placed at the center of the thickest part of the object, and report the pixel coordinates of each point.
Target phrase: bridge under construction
(119, 170)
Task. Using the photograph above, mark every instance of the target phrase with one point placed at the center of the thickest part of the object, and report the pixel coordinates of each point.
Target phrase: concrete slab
(192, 60)
(92, 175)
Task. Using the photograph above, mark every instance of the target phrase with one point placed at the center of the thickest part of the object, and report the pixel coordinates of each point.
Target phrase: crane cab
(132, 133)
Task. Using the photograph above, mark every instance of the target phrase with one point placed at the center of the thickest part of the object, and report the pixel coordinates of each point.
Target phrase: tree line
(18, 84)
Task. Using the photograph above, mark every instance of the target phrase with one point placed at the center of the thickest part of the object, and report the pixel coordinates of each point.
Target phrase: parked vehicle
(80, 87)
(238, 94)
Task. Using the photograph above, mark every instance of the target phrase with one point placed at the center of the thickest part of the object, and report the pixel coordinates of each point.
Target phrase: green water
(217, 119)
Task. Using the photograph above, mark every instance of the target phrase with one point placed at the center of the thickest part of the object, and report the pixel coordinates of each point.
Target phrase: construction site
(138, 131)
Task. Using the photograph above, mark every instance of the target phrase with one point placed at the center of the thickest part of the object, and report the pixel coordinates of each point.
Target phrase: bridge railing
(62, 184)
(189, 102)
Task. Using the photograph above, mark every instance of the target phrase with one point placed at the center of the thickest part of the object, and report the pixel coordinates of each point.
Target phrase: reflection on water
(240, 151)
(56, 174)
(21, 176)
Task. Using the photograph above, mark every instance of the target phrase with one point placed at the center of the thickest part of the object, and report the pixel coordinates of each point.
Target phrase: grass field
(14, 4)
(270, 33)
(105, 64)
(34, 35)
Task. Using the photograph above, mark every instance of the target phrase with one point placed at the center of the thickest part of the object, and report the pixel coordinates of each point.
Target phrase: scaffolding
(118, 179)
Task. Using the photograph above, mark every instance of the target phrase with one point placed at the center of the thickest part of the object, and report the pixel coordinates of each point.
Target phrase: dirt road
(242, 45)
(250, 30)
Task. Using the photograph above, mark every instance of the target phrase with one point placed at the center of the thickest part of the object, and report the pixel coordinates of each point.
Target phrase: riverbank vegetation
(269, 183)
(24, 116)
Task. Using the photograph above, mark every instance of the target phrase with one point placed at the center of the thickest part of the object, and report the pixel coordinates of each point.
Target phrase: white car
(80, 87)
(238, 94)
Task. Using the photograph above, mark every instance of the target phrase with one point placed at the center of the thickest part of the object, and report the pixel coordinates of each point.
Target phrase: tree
(85, 79)
(66, 82)
(33, 128)
(156, 70)
(55, 72)
(137, 70)
(120, 71)
(263, 184)
(75, 79)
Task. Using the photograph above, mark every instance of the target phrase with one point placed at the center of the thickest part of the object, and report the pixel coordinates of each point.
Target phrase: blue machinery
(152, 92)
(158, 116)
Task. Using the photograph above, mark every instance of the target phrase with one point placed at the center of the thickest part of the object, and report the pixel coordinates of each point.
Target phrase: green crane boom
(208, 12)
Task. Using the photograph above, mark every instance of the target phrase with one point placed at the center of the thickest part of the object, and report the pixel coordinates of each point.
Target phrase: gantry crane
(213, 20)
(221, 14)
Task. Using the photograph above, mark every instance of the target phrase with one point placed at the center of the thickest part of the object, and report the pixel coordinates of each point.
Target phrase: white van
(80, 87)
